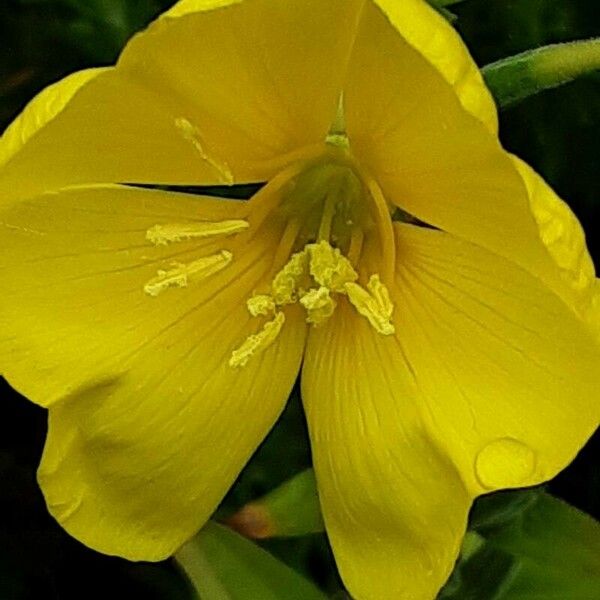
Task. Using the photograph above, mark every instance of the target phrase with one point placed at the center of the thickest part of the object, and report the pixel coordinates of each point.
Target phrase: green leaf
(559, 551)
(222, 565)
(529, 547)
(292, 509)
(515, 78)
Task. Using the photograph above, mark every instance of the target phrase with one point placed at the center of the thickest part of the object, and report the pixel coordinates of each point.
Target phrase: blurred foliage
(557, 132)
(527, 545)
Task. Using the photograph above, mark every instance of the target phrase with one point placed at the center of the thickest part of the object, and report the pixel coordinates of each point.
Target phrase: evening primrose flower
(436, 293)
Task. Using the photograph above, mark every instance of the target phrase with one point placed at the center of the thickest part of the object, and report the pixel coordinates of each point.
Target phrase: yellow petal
(114, 130)
(149, 424)
(262, 78)
(508, 375)
(432, 36)
(210, 97)
(593, 315)
(431, 157)
(563, 236)
(41, 110)
(394, 506)
(74, 265)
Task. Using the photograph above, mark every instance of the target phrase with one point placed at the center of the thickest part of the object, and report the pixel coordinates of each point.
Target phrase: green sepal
(222, 565)
(290, 510)
(515, 78)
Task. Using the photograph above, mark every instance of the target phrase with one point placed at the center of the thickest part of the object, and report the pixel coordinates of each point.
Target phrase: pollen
(181, 274)
(162, 235)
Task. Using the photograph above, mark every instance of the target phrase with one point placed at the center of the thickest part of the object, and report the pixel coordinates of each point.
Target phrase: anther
(319, 305)
(287, 284)
(161, 235)
(261, 305)
(192, 134)
(181, 274)
(375, 304)
(257, 342)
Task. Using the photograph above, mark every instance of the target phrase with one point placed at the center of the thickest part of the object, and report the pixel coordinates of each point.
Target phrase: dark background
(557, 132)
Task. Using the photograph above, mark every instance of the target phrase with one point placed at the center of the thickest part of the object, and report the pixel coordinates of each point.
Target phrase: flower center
(328, 212)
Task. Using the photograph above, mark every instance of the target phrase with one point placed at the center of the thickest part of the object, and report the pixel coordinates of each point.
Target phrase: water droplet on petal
(505, 462)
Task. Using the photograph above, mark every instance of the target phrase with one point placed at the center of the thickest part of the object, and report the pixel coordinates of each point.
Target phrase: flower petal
(431, 157)
(113, 130)
(432, 36)
(563, 235)
(211, 97)
(149, 424)
(394, 506)
(41, 110)
(508, 375)
(263, 78)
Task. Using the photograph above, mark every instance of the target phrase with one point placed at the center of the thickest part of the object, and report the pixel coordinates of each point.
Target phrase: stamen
(258, 342)
(374, 304)
(288, 239)
(191, 134)
(319, 305)
(161, 235)
(327, 216)
(331, 271)
(356, 245)
(181, 274)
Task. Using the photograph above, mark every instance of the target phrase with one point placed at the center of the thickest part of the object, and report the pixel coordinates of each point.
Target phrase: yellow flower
(164, 331)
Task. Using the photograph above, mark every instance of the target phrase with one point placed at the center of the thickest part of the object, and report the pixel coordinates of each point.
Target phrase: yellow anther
(374, 304)
(161, 235)
(312, 277)
(381, 294)
(258, 342)
(192, 134)
(288, 282)
(329, 267)
(181, 274)
(261, 304)
(319, 305)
